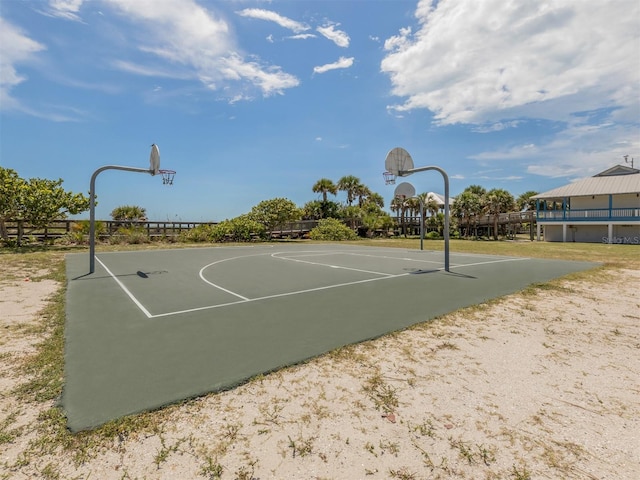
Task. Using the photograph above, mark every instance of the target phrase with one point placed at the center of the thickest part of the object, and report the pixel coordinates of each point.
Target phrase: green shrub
(201, 233)
(130, 235)
(239, 229)
(79, 233)
(432, 235)
(332, 229)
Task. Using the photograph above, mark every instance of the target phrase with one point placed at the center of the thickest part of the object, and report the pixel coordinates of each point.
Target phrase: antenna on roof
(626, 160)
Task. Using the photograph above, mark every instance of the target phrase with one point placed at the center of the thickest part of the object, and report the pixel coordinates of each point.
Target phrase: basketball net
(389, 178)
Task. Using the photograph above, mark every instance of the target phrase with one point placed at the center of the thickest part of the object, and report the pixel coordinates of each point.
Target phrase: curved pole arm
(403, 173)
(92, 207)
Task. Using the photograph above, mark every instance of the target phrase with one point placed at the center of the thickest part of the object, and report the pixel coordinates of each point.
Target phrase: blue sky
(251, 100)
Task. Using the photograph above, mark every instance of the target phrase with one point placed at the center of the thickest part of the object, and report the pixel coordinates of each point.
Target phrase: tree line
(37, 202)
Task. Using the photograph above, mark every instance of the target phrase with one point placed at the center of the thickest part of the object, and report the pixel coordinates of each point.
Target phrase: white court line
(487, 263)
(286, 294)
(356, 254)
(278, 295)
(218, 286)
(135, 300)
(275, 255)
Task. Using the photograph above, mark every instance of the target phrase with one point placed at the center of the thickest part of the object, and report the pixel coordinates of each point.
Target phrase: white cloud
(17, 48)
(338, 37)
(477, 62)
(496, 65)
(580, 149)
(271, 16)
(147, 71)
(496, 127)
(302, 36)
(67, 9)
(186, 34)
(342, 62)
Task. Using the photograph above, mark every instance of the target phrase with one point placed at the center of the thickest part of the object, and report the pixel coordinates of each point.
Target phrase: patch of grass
(473, 454)
(166, 450)
(8, 434)
(246, 473)
(211, 469)
(520, 473)
(447, 346)
(389, 446)
(301, 446)
(426, 429)
(403, 474)
(384, 396)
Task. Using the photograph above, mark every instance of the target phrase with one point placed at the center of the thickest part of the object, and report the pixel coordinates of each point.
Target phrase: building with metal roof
(604, 208)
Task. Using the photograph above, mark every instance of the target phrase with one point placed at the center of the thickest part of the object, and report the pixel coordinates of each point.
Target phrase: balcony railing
(590, 215)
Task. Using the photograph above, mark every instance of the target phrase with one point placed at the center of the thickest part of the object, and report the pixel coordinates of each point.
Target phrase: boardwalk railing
(590, 214)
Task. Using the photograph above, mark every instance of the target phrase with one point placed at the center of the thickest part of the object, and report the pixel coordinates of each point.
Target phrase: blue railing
(590, 215)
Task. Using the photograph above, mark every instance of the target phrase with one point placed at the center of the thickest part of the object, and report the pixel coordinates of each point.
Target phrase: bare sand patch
(536, 385)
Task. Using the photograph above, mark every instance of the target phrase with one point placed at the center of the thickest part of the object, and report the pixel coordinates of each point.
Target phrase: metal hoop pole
(404, 173)
(92, 208)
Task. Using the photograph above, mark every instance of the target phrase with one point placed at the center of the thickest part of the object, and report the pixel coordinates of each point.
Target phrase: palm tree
(524, 201)
(398, 205)
(496, 202)
(376, 199)
(363, 193)
(476, 190)
(422, 198)
(128, 214)
(467, 205)
(325, 186)
(350, 185)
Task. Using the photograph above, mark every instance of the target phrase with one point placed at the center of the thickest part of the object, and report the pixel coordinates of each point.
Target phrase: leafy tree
(497, 201)
(351, 185)
(325, 186)
(376, 221)
(129, 213)
(35, 202)
(312, 210)
(525, 202)
(317, 209)
(275, 212)
(11, 186)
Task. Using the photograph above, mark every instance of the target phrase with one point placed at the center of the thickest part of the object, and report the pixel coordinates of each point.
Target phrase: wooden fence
(513, 222)
(107, 228)
(60, 228)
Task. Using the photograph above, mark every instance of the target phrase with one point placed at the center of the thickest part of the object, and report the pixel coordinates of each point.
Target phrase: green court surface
(150, 328)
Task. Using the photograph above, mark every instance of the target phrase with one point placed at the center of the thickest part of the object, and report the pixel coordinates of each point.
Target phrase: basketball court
(151, 328)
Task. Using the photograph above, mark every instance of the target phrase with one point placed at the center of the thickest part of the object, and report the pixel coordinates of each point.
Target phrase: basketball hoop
(167, 176)
(389, 178)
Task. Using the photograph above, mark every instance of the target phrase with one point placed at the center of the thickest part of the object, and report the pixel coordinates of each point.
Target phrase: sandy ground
(543, 385)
